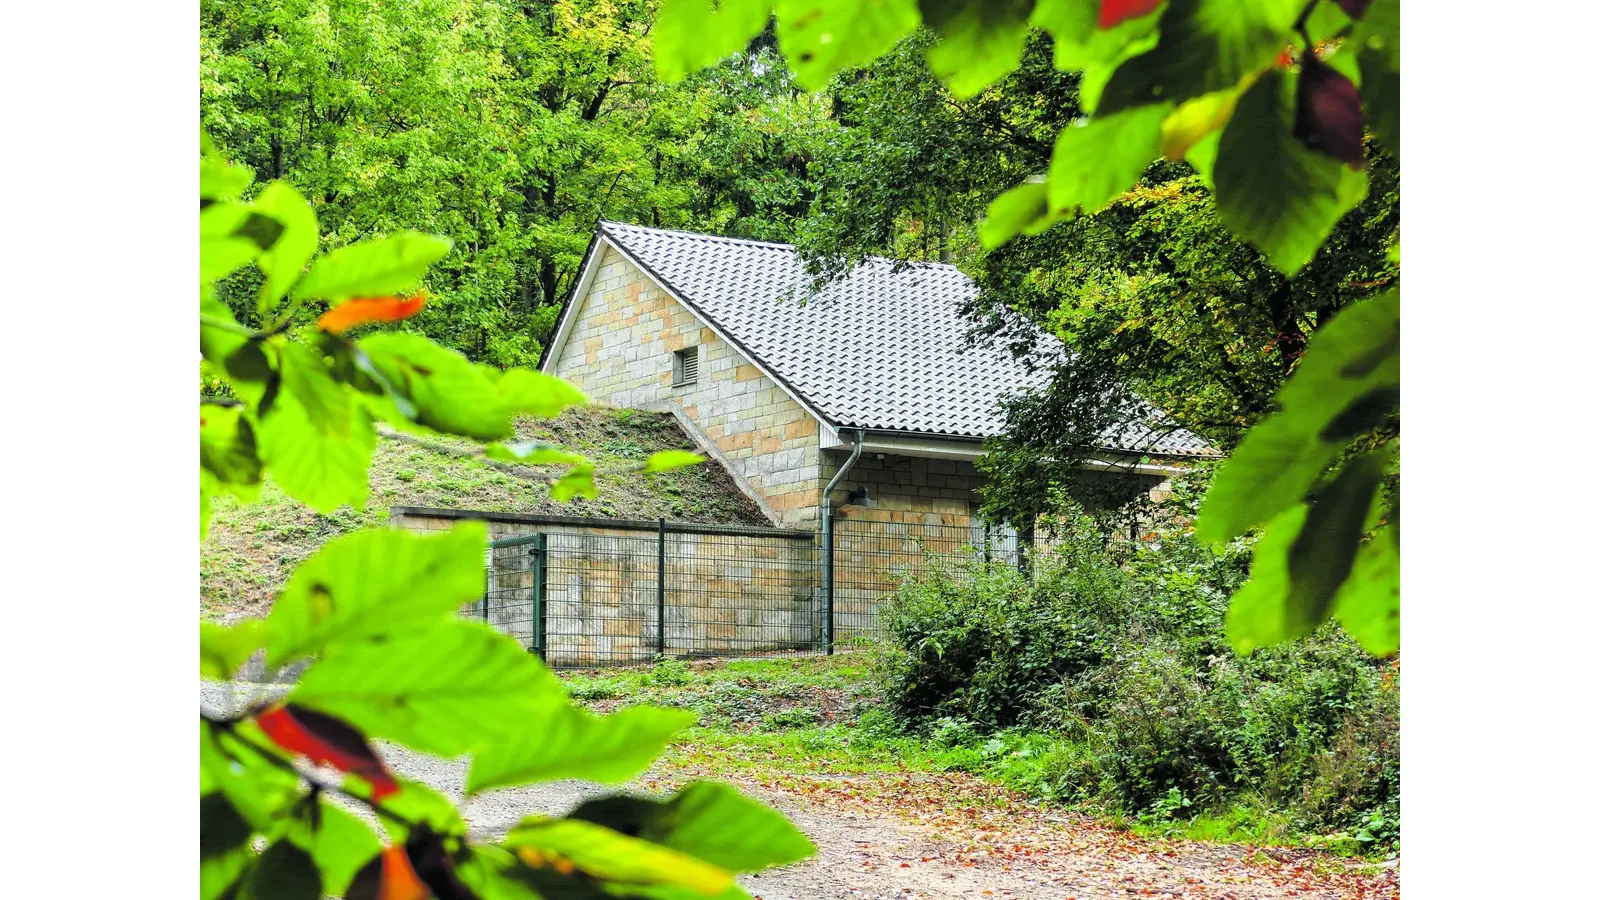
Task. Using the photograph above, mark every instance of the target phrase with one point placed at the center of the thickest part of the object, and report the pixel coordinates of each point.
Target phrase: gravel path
(924, 848)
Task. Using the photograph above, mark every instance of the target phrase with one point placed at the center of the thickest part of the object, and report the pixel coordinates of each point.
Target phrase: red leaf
(324, 739)
(1355, 9)
(364, 310)
(1115, 12)
(1328, 112)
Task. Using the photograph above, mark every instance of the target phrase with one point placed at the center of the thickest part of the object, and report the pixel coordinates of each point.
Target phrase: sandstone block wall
(620, 352)
(726, 594)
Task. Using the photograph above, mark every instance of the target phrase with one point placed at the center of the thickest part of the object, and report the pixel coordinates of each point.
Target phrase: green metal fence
(630, 592)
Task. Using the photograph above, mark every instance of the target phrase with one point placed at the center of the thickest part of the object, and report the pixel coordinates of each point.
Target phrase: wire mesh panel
(600, 603)
(741, 595)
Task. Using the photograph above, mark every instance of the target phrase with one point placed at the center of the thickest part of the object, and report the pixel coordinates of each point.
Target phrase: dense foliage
(1270, 103)
(375, 613)
(506, 127)
(1107, 680)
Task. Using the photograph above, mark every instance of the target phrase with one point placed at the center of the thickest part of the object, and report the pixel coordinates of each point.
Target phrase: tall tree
(509, 127)
(1154, 296)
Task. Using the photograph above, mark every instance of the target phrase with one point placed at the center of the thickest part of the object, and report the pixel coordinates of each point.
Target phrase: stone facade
(620, 353)
(908, 488)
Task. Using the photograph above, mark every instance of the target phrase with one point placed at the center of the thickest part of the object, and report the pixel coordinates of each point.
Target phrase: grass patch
(819, 717)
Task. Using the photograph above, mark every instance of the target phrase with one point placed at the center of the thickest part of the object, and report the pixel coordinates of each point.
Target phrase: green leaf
(708, 821)
(1080, 44)
(1096, 160)
(492, 872)
(577, 744)
(208, 485)
(1368, 605)
(418, 803)
(329, 405)
(241, 359)
(577, 482)
(1023, 209)
(1205, 46)
(532, 453)
(1377, 42)
(526, 391)
(1257, 614)
(450, 394)
(374, 582)
(979, 43)
(260, 791)
(1203, 156)
(222, 180)
(224, 650)
(690, 34)
(220, 875)
(1272, 190)
(605, 854)
(1323, 552)
(1304, 558)
(229, 239)
(454, 688)
(822, 37)
(672, 459)
(284, 872)
(375, 268)
(338, 842)
(294, 247)
(222, 829)
(1347, 381)
(1194, 121)
(320, 471)
(228, 445)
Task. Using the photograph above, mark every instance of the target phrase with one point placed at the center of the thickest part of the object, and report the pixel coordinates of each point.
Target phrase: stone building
(782, 384)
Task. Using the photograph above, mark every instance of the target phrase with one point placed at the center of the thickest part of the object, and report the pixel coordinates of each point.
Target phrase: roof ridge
(771, 244)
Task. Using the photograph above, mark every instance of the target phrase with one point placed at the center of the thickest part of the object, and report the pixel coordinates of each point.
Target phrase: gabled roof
(878, 349)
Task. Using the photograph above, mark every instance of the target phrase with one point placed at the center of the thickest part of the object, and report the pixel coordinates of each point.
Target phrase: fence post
(540, 546)
(488, 579)
(661, 587)
(827, 588)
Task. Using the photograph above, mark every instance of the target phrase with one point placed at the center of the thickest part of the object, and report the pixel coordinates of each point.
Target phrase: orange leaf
(1115, 12)
(364, 310)
(389, 876)
(324, 739)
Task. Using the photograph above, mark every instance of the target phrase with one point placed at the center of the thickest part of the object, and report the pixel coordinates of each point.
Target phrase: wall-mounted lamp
(859, 497)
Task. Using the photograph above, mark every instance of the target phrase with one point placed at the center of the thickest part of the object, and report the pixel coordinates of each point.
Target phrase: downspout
(827, 542)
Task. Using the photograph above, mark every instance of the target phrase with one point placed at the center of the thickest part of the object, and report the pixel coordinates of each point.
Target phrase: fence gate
(513, 598)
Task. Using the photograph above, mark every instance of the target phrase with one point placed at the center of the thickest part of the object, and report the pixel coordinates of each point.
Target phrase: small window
(685, 366)
(992, 541)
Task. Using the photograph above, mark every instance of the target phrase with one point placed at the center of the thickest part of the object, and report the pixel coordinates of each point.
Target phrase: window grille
(685, 366)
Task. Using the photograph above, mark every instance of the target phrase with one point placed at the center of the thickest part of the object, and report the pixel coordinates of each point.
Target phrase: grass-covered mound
(253, 547)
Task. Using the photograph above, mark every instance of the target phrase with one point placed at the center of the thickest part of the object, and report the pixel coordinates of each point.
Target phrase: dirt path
(933, 837)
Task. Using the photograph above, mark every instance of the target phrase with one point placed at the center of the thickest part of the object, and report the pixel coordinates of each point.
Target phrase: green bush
(1105, 679)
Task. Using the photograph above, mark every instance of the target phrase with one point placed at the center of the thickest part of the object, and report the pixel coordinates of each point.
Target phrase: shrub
(1108, 680)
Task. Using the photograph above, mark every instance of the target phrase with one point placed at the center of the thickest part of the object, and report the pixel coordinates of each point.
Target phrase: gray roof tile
(876, 349)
